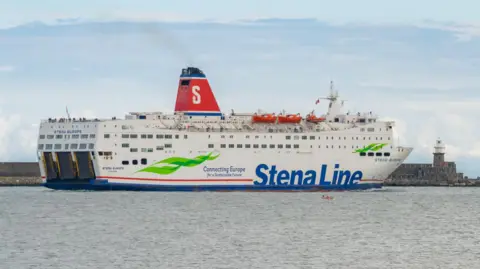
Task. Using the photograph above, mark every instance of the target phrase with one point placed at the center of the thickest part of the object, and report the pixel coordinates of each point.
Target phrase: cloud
(107, 69)
(6, 68)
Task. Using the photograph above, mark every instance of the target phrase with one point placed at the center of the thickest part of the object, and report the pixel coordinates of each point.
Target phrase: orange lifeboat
(289, 118)
(265, 118)
(315, 119)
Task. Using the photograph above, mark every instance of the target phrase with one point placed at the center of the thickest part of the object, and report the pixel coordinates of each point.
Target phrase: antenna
(68, 114)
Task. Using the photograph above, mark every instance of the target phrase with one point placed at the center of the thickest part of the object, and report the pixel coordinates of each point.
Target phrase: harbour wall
(20, 174)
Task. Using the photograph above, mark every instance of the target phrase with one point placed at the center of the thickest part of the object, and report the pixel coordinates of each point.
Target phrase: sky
(415, 63)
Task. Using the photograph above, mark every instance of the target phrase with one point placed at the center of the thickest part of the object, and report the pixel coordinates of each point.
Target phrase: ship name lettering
(270, 175)
(67, 131)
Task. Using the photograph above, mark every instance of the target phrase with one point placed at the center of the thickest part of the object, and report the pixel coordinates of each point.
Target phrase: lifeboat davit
(314, 119)
(265, 118)
(289, 118)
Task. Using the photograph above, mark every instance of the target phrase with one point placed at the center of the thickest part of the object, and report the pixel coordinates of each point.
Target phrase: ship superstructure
(200, 148)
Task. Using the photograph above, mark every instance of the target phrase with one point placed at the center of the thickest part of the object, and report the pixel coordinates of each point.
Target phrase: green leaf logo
(172, 164)
(371, 147)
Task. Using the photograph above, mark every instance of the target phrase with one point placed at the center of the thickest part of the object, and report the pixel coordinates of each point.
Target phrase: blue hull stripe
(106, 186)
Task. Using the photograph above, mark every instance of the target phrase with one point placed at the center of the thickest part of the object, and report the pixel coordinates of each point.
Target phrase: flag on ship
(318, 101)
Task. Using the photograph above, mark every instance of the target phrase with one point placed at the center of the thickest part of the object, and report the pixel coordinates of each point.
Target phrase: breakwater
(20, 181)
(437, 173)
(20, 174)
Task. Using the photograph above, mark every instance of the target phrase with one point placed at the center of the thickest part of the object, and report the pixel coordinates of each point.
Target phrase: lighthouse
(439, 153)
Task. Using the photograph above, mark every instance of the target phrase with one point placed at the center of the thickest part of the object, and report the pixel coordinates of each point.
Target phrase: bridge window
(150, 136)
(84, 136)
(288, 146)
(42, 136)
(386, 154)
(288, 137)
(104, 136)
(90, 146)
(304, 137)
(280, 146)
(150, 150)
(255, 146)
(247, 146)
(73, 146)
(48, 146)
(66, 146)
(125, 145)
(378, 154)
(177, 136)
(185, 136)
(264, 146)
(168, 146)
(370, 154)
(210, 146)
(83, 146)
(159, 136)
(231, 146)
(223, 146)
(239, 146)
(168, 136)
(40, 146)
(134, 162)
(231, 136)
(133, 150)
(370, 129)
(92, 135)
(159, 147)
(272, 146)
(58, 136)
(247, 136)
(143, 161)
(295, 137)
(143, 136)
(125, 162)
(78, 136)
(363, 154)
(296, 146)
(133, 136)
(125, 135)
(362, 129)
(312, 137)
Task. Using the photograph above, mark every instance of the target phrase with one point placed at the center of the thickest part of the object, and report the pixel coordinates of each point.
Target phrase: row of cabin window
(378, 154)
(312, 137)
(264, 146)
(255, 146)
(306, 137)
(166, 146)
(67, 146)
(143, 161)
(148, 136)
(73, 136)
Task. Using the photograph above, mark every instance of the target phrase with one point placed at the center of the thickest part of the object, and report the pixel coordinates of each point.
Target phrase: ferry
(200, 148)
